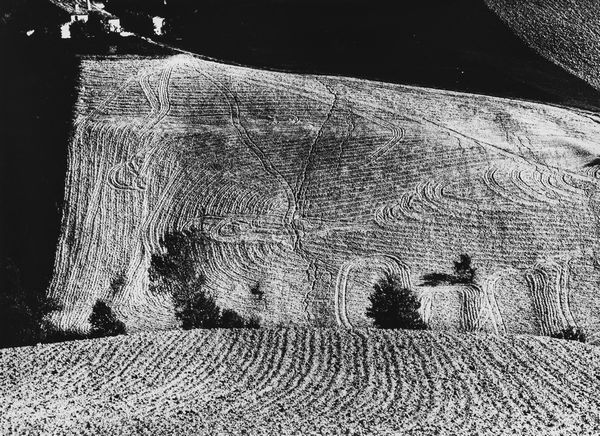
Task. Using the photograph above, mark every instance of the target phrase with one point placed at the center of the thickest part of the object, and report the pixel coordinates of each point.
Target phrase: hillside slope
(301, 381)
(312, 187)
(567, 32)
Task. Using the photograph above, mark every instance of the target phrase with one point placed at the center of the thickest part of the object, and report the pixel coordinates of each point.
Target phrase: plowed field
(302, 381)
(566, 32)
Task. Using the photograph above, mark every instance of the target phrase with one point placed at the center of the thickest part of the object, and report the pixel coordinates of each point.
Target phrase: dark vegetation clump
(137, 22)
(257, 291)
(571, 334)
(230, 319)
(78, 30)
(176, 272)
(24, 315)
(104, 322)
(393, 306)
(178, 264)
(463, 274)
(195, 309)
(95, 27)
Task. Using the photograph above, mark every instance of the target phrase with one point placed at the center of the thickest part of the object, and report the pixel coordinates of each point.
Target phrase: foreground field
(301, 381)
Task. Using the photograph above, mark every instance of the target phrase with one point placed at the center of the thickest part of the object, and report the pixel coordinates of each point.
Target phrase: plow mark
(130, 174)
(533, 187)
(549, 286)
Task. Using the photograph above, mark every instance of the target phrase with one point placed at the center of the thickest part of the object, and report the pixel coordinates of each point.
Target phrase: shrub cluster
(24, 314)
(137, 22)
(104, 322)
(464, 273)
(571, 334)
(197, 309)
(176, 272)
(394, 306)
(95, 27)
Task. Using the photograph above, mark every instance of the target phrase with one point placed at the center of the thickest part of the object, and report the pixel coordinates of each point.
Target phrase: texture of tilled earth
(567, 32)
(302, 381)
(311, 188)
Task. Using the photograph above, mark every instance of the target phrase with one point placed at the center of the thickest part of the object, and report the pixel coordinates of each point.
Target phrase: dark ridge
(458, 45)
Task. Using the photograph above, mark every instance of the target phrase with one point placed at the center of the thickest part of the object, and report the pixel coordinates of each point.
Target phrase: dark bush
(137, 22)
(393, 306)
(177, 272)
(178, 263)
(78, 30)
(253, 323)
(571, 334)
(196, 309)
(97, 25)
(464, 273)
(230, 319)
(257, 291)
(104, 322)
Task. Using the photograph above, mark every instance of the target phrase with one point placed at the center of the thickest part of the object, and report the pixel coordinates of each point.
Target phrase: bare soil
(302, 381)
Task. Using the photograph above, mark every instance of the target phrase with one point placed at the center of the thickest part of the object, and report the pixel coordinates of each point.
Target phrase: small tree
(104, 322)
(230, 319)
(196, 309)
(257, 291)
(393, 306)
(571, 334)
(97, 26)
(78, 29)
(464, 274)
(463, 271)
(176, 272)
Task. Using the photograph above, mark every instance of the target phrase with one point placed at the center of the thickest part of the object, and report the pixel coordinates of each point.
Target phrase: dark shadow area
(593, 163)
(458, 45)
(38, 91)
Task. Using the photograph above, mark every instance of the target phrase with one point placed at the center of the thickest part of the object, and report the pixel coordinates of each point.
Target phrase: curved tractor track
(301, 381)
(313, 187)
